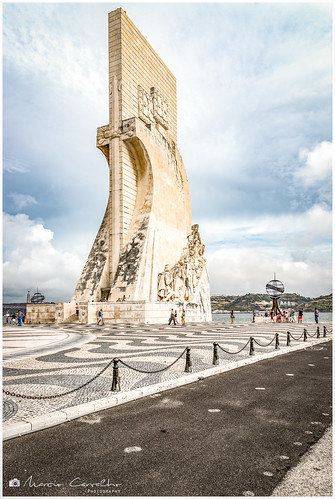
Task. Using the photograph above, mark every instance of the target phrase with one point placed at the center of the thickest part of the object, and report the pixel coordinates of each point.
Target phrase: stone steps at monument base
(71, 320)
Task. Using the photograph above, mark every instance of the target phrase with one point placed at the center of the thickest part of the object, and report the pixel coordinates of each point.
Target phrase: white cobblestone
(146, 349)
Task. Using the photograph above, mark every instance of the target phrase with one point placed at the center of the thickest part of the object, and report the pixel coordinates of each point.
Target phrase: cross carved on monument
(148, 216)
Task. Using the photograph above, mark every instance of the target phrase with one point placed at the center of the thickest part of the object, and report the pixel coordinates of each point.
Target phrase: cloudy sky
(254, 88)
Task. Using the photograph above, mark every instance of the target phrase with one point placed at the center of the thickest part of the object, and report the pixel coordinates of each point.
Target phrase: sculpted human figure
(161, 286)
(189, 281)
(179, 280)
(198, 270)
(168, 281)
(193, 273)
(195, 232)
(182, 280)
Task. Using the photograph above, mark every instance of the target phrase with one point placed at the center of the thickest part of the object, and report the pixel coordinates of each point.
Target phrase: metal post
(188, 365)
(215, 355)
(288, 342)
(116, 380)
(318, 332)
(252, 349)
(277, 341)
(305, 334)
(324, 331)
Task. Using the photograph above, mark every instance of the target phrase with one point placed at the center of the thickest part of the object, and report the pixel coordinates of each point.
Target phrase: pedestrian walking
(316, 315)
(100, 318)
(172, 318)
(232, 317)
(19, 318)
(13, 319)
(77, 310)
(253, 316)
(183, 315)
(175, 316)
(7, 317)
(300, 315)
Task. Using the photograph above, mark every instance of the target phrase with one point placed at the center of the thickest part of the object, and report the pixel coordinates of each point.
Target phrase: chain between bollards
(188, 365)
(116, 380)
(215, 355)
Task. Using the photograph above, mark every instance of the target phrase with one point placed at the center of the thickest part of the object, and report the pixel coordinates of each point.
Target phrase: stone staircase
(72, 319)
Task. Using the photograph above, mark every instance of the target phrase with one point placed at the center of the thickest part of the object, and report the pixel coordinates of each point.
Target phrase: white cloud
(318, 164)
(14, 165)
(243, 253)
(241, 270)
(312, 225)
(257, 81)
(31, 261)
(33, 45)
(22, 200)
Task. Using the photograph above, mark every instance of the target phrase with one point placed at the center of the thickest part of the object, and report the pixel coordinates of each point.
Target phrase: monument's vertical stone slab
(146, 251)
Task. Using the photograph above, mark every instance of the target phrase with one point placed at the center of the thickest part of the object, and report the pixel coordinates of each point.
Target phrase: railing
(188, 362)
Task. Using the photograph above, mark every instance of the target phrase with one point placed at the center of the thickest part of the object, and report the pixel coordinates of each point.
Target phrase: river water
(247, 317)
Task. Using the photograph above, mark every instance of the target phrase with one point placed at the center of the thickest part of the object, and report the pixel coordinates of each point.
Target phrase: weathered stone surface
(146, 250)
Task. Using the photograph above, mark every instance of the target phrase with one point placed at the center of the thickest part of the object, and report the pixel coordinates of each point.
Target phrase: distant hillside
(258, 302)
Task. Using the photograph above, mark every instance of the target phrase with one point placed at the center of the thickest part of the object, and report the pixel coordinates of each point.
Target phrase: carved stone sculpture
(141, 254)
(187, 271)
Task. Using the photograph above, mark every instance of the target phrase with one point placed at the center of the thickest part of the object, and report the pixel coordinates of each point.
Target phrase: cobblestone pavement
(24, 341)
(145, 348)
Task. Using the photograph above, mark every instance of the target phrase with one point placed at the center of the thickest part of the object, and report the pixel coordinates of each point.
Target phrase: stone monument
(147, 256)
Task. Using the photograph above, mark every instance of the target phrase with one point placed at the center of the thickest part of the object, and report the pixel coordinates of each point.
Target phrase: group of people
(174, 317)
(122, 299)
(16, 318)
(286, 316)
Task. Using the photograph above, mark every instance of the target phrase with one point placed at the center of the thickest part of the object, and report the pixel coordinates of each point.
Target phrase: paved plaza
(262, 429)
(41, 361)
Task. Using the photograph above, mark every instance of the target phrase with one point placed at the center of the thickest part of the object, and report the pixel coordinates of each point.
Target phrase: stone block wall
(136, 63)
(147, 225)
(43, 313)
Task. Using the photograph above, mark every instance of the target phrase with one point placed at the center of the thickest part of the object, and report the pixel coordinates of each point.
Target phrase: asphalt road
(266, 416)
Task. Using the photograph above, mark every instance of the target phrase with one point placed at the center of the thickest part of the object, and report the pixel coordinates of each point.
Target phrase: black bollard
(305, 334)
(324, 331)
(288, 342)
(188, 365)
(252, 349)
(116, 380)
(318, 332)
(215, 355)
(277, 341)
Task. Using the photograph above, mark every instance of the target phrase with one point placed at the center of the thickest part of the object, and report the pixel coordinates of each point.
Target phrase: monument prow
(147, 257)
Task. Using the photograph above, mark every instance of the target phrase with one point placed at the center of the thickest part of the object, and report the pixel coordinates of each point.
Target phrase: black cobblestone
(167, 345)
(9, 409)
